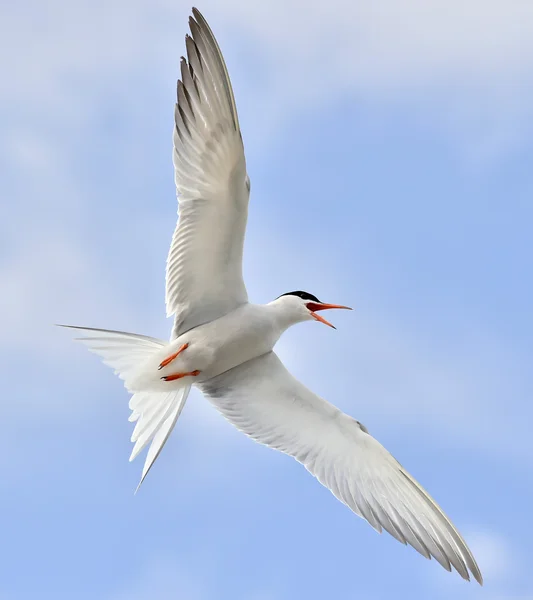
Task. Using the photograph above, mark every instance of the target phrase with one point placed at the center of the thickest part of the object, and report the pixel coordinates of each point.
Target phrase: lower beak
(316, 307)
(322, 320)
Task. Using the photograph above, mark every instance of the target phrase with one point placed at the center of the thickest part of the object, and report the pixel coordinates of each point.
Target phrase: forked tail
(156, 412)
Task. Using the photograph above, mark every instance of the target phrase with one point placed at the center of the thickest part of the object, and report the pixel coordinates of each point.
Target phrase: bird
(224, 344)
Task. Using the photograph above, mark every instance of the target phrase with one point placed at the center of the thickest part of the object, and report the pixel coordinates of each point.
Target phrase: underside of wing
(204, 266)
(262, 399)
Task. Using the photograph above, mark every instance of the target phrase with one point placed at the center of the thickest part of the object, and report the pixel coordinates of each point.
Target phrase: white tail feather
(156, 412)
(123, 352)
(162, 428)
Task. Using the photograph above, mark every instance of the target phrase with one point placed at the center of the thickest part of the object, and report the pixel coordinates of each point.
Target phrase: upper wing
(262, 399)
(204, 265)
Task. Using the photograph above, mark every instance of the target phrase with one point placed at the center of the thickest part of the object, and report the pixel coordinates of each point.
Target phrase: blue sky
(390, 157)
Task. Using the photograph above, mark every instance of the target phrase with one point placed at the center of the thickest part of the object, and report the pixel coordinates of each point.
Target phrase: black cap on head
(302, 295)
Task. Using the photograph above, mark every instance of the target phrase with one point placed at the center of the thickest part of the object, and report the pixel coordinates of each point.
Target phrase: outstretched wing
(262, 399)
(204, 265)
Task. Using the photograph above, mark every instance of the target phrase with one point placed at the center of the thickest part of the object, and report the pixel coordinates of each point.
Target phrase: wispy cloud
(161, 579)
(469, 63)
(85, 153)
(500, 562)
(495, 555)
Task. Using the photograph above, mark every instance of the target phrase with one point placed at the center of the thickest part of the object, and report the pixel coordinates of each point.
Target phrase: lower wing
(262, 399)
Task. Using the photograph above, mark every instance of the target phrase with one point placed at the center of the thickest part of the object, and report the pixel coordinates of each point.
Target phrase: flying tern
(224, 344)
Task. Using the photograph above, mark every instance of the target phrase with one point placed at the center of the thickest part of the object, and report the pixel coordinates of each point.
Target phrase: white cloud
(500, 564)
(162, 579)
(496, 561)
(165, 578)
(467, 64)
(75, 53)
(47, 274)
(463, 67)
(495, 556)
(469, 60)
(390, 45)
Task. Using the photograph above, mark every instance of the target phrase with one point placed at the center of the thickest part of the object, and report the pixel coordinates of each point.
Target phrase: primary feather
(204, 266)
(262, 399)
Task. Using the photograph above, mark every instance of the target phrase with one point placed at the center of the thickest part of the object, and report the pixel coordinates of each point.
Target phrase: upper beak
(314, 307)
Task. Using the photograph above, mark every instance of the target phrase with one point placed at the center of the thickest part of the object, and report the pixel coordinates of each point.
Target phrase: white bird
(224, 344)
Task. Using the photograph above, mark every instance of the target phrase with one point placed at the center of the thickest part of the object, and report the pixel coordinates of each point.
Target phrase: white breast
(247, 332)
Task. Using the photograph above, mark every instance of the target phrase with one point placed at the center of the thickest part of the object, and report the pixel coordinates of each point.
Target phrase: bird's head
(302, 306)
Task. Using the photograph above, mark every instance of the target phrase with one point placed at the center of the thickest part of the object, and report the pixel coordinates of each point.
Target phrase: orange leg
(168, 360)
(180, 375)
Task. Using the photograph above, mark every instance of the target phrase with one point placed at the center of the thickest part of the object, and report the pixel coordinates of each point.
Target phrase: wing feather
(262, 399)
(204, 265)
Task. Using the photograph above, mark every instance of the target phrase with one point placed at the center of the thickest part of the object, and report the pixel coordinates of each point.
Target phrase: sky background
(389, 147)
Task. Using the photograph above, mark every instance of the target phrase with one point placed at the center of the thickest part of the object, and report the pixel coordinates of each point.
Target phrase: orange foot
(168, 360)
(180, 375)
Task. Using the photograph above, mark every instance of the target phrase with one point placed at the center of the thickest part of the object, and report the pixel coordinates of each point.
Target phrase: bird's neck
(282, 318)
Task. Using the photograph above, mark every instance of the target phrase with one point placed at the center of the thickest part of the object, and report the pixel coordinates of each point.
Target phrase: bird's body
(216, 347)
(213, 348)
(224, 345)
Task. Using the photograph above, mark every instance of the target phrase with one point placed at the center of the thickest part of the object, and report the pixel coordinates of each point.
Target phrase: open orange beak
(314, 307)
